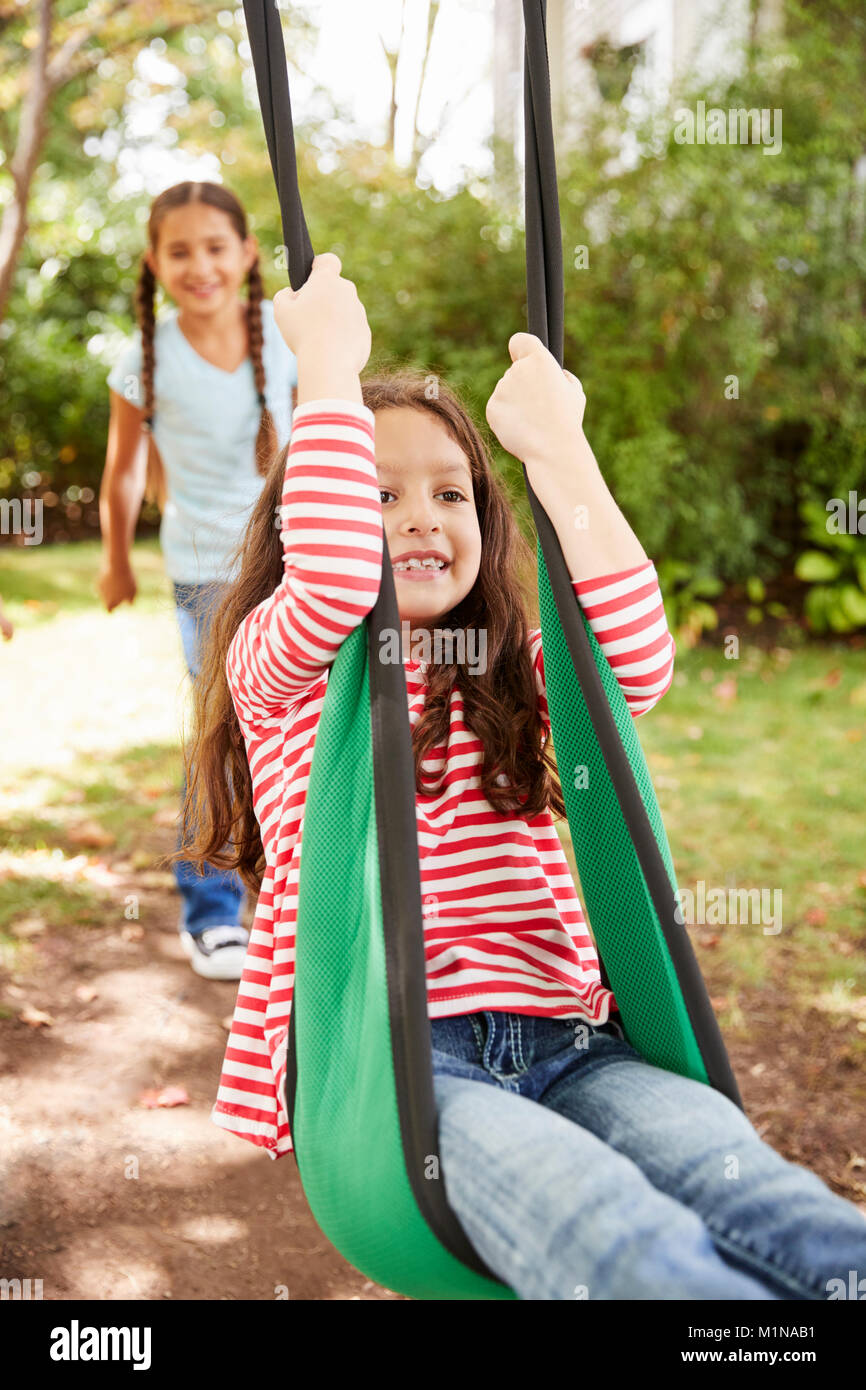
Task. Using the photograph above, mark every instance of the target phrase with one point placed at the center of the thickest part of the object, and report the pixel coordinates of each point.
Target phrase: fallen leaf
(721, 1001)
(90, 834)
(816, 917)
(174, 1095)
(168, 1096)
(98, 872)
(832, 677)
(29, 926)
(35, 1017)
(726, 690)
(165, 817)
(854, 735)
(132, 932)
(155, 878)
(666, 783)
(85, 993)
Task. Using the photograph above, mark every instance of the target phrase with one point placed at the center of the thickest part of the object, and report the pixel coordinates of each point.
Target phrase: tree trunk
(420, 142)
(31, 135)
(391, 58)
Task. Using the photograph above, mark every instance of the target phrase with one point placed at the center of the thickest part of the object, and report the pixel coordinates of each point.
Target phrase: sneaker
(218, 953)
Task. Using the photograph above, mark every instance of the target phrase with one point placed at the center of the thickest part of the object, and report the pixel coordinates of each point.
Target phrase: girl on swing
(576, 1168)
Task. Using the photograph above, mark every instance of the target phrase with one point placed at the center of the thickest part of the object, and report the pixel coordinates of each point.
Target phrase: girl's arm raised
(331, 512)
(626, 614)
(331, 531)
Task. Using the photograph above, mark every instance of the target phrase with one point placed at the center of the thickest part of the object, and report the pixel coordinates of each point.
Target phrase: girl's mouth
(420, 572)
(202, 291)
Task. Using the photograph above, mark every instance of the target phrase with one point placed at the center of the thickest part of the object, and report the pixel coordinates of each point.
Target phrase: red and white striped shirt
(503, 923)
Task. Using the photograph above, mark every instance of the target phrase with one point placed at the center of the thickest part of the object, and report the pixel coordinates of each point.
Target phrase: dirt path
(105, 1199)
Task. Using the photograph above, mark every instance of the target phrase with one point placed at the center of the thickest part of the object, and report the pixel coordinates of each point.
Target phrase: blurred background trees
(714, 294)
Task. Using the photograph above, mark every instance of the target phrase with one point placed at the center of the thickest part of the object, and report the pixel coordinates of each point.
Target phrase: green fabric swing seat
(359, 1086)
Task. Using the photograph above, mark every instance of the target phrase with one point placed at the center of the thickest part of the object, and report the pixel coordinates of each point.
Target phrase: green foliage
(759, 609)
(715, 316)
(836, 602)
(685, 590)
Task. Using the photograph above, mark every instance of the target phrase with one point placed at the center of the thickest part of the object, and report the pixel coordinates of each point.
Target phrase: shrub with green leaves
(836, 571)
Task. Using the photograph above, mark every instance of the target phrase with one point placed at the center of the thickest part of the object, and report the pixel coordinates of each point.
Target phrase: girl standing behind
(211, 386)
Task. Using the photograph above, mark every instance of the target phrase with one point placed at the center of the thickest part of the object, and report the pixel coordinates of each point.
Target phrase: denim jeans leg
(766, 1216)
(551, 1208)
(557, 1214)
(214, 898)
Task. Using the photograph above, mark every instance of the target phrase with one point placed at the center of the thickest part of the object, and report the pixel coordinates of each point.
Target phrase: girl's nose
(422, 519)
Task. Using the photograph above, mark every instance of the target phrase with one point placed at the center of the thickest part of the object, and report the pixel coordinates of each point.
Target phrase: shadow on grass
(42, 581)
(53, 863)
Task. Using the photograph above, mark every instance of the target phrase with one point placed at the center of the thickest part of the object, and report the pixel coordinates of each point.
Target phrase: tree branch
(91, 61)
(391, 60)
(59, 69)
(31, 134)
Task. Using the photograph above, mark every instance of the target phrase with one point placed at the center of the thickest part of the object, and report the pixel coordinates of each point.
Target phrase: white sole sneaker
(217, 953)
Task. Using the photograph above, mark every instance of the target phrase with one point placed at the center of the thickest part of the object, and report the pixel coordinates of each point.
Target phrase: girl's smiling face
(427, 505)
(200, 260)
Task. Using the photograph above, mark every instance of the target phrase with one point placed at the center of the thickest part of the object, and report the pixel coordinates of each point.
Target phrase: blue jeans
(216, 897)
(579, 1170)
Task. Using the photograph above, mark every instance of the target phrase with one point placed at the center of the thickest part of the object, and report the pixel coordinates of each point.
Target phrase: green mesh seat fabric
(346, 1114)
(359, 1084)
(618, 903)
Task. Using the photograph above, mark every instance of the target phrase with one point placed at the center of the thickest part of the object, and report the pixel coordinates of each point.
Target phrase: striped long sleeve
(331, 532)
(626, 613)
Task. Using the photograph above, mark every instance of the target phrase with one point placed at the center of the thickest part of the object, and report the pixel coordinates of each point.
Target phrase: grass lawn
(760, 791)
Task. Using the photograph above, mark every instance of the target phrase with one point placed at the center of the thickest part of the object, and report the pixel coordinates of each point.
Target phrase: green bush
(715, 317)
(836, 601)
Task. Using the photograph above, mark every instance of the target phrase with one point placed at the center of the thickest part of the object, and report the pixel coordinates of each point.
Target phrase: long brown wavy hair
(500, 705)
(215, 196)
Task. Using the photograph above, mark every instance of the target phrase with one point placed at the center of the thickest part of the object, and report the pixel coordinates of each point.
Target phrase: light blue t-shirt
(205, 426)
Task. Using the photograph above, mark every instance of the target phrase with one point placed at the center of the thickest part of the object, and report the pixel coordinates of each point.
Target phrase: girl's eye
(214, 250)
(448, 490)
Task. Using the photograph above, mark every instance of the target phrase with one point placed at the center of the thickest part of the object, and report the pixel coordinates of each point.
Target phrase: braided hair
(215, 196)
